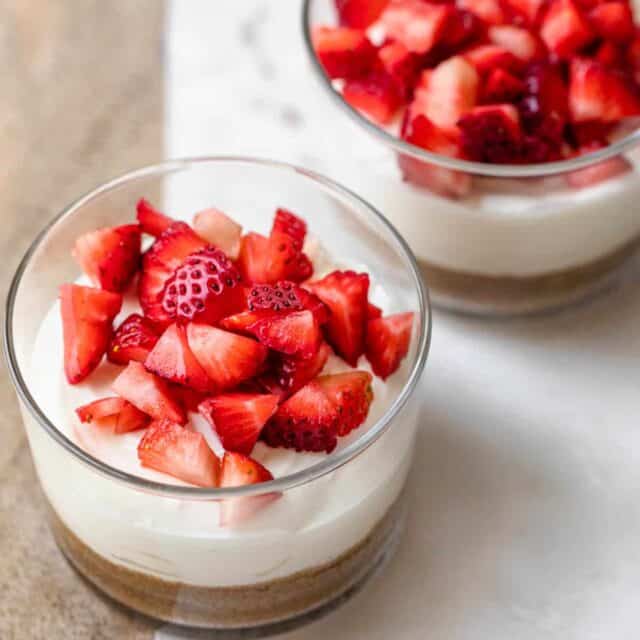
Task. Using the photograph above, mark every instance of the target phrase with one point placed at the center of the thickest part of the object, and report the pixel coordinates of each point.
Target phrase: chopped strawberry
(490, 11)
(151, 220)
(501, 86)
(87, 315)
(402, 67)
(388, 342)
(343, 52)
(586, 134)
(284, 259)
(525, 10)
(219, 230)
(610, 55)
(486, 57)
(359, 14)
(149, 393)
(238, 418)
(252, 260)
(295, 334)
(113, 414)
(462, 28)
(345, 293)
(109, 256)
(599, 172)
(633, 55)
(172, 360)
(290, 224)
(307, 421)
(351, 395)
(159, 263)
(187, 397)
(132, 340)
(546, 81)
(599, 93)
(227, 358)
(564, 28)
(282, 296)
(520, 42)
(184, 454)
(376, 95)
(311, 302)
(373, 311)
(417, 25)
(613, 21)
(204, 288)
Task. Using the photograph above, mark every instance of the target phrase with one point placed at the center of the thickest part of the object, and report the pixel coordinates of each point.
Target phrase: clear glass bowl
(157, 547)
(524, 238)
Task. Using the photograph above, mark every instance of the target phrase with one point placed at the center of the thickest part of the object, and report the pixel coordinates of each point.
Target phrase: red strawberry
(359, 14)
(87, 315)
(285, 261)
(599, 172)
(546, 82)
(204, 288)
(599, 93)
(520, 42)
(486, 57)
(228, 359)
(610, 55)
(295, 333)
(490, 11)
(291, 225)
(113, 414)
(373, 311)
(151, 220)
(252, 259)
(351, 395)
(172, 359)
(187, 397)
(149, 393)
(388, 342)
(586, 134)
(132, 340)
(462, 28)
(343, 52)
(526, 10)
(238, 418)
(501, 86)
(401, 65)
(564, 28)
(109, 256)
(613, 21)
(159, 263)
(345, 293)
(376, 95)
(307, 421)
(219, 230)
(184, 454)
(282, 296)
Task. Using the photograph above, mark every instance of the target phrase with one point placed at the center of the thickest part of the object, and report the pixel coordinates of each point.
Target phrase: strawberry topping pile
(232, 328)
(493, 81)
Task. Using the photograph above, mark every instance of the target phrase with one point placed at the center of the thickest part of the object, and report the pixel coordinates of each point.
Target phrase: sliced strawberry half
(351, 395)
(149, 393)
(132, 340)
(151, 220)
(113, 414)
(285, 260)
(184, 454)
(296, 333)
(345, 293)
(388, 341)
(565, 29)
(238, 418)
(109, 256)
(219, 230)
(227, 358)
(613, 21)
(252, 259)
(87, 316)
(290, 224)
(172, 359)
(307, 421)
(359, 14)
(343, 52)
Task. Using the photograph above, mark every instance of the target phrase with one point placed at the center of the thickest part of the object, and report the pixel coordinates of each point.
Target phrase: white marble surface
(525, 519)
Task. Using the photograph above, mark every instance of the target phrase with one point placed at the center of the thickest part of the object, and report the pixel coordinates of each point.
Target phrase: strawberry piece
(633, 55)
(486, 57)
(599, 93)
(87, 315)
(462, 28)
(489, 11)
(172, 359)
(307, 421)
(282, 296)
(351, 395)
(376, 95)
(238, 418)
(345, 293)
(151, 220)
(159, 263)
(599, 172)
(417, 25)
(388, 342)
(343, 52)
(290, 224)
(295, 333)
(613, 21)
(610, 55)
(311, 302)
(109, 256)
(401, 66)
(132, 340)
(359, 14)
(187, 397)
(228, 359)
(252, 259)
(564, 28)
(239, 470)
(184, 454)
(520, 42)
(373, 311)
(204, 288)
(545, 81)
(527, 11)
(284, 259)
(501, 86)
(219, 230)
(113, 414)
(585, 134)
(149, 393)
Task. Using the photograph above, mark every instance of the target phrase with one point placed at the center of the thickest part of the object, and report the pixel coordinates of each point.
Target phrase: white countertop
(525, 491)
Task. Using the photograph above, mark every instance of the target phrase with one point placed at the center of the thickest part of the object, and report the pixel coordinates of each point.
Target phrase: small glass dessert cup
(157, 547)
(492, 239)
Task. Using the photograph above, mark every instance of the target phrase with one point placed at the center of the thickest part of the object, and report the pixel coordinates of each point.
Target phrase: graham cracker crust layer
(229, 607)
(506, 295)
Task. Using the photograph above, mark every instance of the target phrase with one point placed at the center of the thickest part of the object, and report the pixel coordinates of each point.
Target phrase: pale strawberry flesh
(132, 340)
(113, 414)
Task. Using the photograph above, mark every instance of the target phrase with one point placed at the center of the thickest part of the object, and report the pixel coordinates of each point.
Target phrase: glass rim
(313, 472)
(538, 170)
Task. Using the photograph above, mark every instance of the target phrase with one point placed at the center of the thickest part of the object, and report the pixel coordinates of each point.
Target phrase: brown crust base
(505, 295)
(229, 607)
